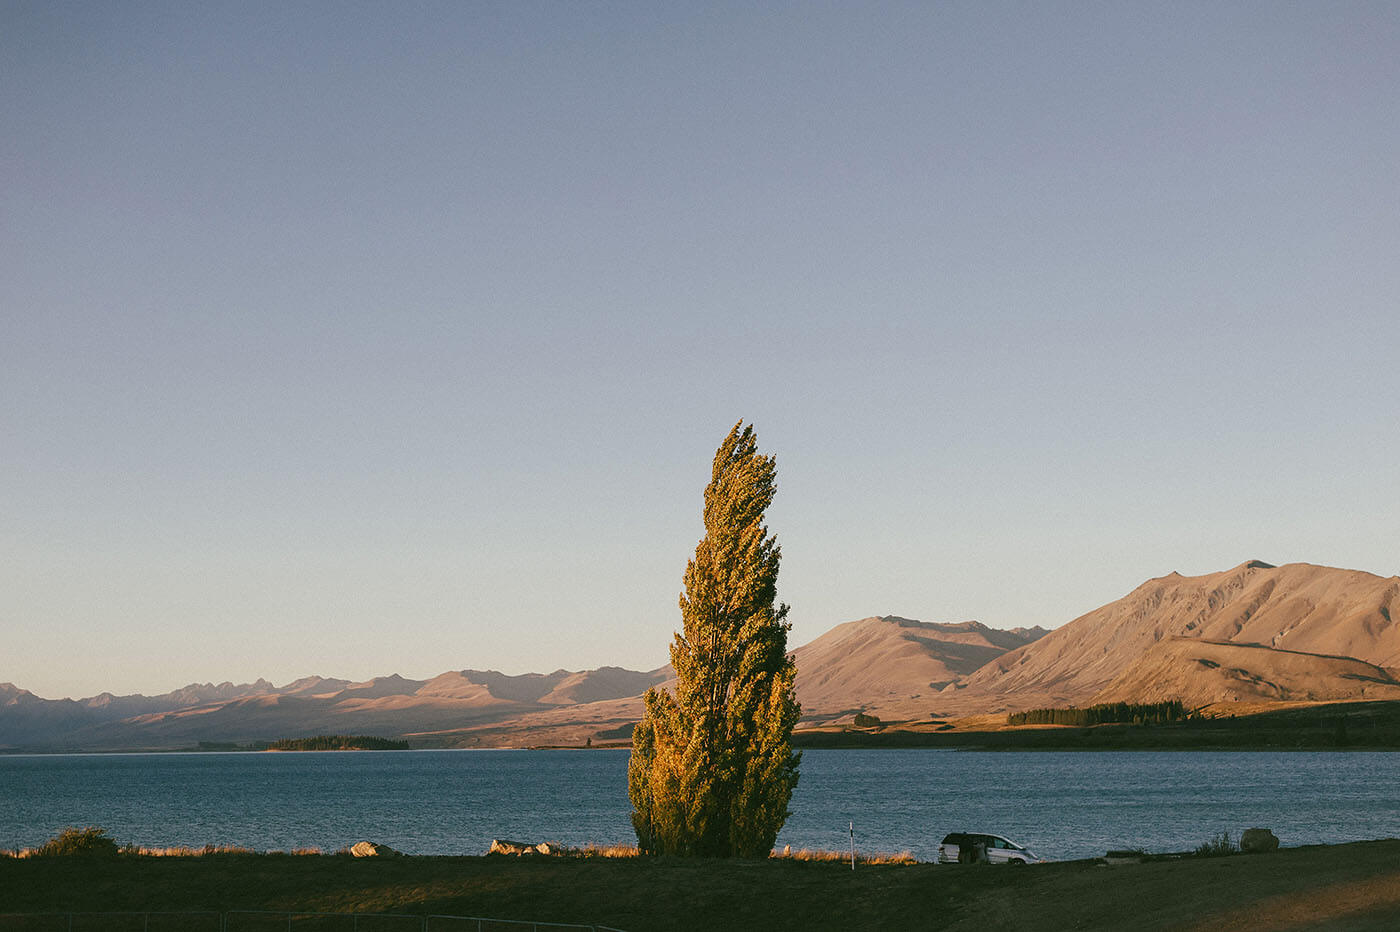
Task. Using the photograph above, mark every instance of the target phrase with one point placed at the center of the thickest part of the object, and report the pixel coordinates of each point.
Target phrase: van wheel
(1018, 861)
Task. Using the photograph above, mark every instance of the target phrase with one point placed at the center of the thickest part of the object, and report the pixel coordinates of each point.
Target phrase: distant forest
(1156, 713)
(338, 743)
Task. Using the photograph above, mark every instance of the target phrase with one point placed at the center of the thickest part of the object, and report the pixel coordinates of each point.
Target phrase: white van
(964, 848)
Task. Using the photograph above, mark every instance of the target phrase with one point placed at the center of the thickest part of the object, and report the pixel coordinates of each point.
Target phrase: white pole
(853, 845)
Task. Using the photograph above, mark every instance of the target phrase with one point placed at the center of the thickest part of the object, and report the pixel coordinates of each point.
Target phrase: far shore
(1337, 726)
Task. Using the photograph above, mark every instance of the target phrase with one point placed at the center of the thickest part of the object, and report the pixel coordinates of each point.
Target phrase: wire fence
(252, 920)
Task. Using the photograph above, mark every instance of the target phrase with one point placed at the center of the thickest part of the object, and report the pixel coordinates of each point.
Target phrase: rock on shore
(1258, 839)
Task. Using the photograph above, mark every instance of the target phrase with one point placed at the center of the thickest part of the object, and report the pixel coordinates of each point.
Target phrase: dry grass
(182, 851)
(804, 854)
(173, 851)
(609, 851)
(587, 851)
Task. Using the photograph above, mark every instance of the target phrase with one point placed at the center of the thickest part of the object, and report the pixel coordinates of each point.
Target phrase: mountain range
(1255, 633)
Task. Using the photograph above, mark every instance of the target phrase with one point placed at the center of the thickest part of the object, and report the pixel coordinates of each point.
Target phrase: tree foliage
(1154, 713)
(712, 767)
(338, 743)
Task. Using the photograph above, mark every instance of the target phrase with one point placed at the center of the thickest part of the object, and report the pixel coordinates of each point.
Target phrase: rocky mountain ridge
(260, 711)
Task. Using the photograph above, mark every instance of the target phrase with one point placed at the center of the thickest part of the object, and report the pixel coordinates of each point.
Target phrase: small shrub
(78, 842)
(1218, 846)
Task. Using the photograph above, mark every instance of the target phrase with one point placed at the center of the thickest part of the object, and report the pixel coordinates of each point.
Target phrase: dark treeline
(1155, 713)
(338, 743)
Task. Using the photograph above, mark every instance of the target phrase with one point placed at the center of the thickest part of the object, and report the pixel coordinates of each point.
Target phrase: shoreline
(1346, 726)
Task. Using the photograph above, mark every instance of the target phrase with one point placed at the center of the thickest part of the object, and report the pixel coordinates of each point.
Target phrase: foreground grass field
(1353, 887)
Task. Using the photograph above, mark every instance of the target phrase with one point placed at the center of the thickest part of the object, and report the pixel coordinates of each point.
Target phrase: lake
(1060, 804)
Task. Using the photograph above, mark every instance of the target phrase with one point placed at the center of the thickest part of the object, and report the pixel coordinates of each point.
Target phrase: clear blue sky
(354, 339)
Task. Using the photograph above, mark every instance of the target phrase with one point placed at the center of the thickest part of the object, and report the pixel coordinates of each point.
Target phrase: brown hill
(1200, 672)
(1296, 610)
(892, 667)
(603, 684)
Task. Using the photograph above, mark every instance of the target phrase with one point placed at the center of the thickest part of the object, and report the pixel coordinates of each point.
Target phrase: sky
(355, 339)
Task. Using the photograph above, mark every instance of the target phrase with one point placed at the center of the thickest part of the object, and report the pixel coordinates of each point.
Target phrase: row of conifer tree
(338, 743)
(1138, 713)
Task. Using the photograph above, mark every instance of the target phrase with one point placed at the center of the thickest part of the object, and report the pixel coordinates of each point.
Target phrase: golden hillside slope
(1119, 649)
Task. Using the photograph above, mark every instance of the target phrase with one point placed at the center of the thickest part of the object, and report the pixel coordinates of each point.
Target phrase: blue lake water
(1061, 805)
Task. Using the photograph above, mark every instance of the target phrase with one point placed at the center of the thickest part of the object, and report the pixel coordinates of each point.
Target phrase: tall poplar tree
(712, 767)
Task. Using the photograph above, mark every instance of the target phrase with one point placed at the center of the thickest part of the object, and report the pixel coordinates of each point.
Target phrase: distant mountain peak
(892, 665)
(11, 693)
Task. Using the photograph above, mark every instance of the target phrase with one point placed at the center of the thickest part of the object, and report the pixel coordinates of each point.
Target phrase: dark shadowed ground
(1354, 886)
